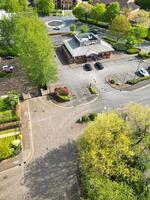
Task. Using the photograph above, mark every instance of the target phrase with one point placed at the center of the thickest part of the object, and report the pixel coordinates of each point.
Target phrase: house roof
(124, 4)
(75, 49)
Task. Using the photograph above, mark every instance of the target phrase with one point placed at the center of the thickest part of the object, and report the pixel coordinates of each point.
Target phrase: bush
(85, 118)
(93, 90)
(112, 81)
(4, 74)
(64, 97)
(134, 81)
(92, 116)
(144, 55)
(133, 51)
(109, 40)
(120, 46)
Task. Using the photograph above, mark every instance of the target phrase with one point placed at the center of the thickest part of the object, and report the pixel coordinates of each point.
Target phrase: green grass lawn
(9, 131)
(6, 148)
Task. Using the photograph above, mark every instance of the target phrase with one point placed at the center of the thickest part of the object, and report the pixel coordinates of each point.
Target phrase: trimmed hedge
(109, 40)
(120, 46)
(133, 51)
(64, 97)
(144, 55)
(8, 116)
(100, 24)
(93, 90)
(134, 81)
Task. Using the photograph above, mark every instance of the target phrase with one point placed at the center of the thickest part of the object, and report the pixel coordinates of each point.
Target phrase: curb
(75, 106)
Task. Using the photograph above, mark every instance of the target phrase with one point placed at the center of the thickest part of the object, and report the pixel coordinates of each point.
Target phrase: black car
(98, 66)
(94, 31)
(9, 57)
(87, 67)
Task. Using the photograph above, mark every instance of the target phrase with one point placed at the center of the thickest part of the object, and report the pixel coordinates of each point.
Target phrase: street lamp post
(138, 67)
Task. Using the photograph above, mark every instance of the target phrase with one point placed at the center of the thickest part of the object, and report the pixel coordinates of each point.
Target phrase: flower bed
(62, 93)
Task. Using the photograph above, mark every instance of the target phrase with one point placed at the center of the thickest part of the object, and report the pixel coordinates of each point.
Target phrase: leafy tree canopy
(112, 11)
(34, 48)
(120, 26)
(45, 6)
(112, 155)
(14, 6)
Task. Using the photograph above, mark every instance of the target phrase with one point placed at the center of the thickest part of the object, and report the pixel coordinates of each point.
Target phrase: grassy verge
(9, 131)
(135, 81)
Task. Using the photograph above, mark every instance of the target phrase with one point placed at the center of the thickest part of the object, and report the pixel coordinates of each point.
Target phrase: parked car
(9, 57)
(98, 66)
(56, 28)
(87, 67)
(143, 72)
(94, 31)
(8, 68)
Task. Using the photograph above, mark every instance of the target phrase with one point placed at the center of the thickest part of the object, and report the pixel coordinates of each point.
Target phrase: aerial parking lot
(78, 79)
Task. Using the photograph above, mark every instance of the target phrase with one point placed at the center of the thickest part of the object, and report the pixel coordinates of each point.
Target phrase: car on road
(8, 68)
(87, 67)
(98, 66)
(56, 28)
(143, 72)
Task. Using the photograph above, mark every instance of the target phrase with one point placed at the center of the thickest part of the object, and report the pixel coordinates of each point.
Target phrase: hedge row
(99, 24)
(134, 81)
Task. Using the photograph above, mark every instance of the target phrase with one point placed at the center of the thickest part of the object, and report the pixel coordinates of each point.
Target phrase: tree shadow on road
(54, 176)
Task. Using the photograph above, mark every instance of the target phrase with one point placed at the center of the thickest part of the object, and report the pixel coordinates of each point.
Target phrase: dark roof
(124, 4)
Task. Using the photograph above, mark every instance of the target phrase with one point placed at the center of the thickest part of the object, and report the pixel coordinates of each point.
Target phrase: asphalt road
(51, 174)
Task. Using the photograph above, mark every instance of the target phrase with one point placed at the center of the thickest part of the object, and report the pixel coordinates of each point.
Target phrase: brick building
(66, 4)
(85, 47)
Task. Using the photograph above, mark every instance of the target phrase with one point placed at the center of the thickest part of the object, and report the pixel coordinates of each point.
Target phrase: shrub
(134, 81)
(64, 98)
(133, 51)
(85, 118)
(120, 46)
(109, 40)
(62, 91)
(4, 74)
(144, 55)
(92, 116)
(93, 90)
(112, 81)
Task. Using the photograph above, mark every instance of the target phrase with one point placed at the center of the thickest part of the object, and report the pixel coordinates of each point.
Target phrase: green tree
(111, 165)
(112, 11)
(73, 27)
(144, 4)
(98, 11)
(139, 119)
(82, 11)
(14, 6)
(6, 40)
(45, 6)
(139, 31)
(120, 26)
(84, 29)
(132, 41)
(34, 48)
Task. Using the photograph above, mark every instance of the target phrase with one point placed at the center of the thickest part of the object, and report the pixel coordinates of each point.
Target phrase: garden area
(114, 154)
(10, 136)
(122, 34)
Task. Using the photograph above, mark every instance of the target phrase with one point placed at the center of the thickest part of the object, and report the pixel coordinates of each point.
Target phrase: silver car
(143, 72)
(8, 68)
